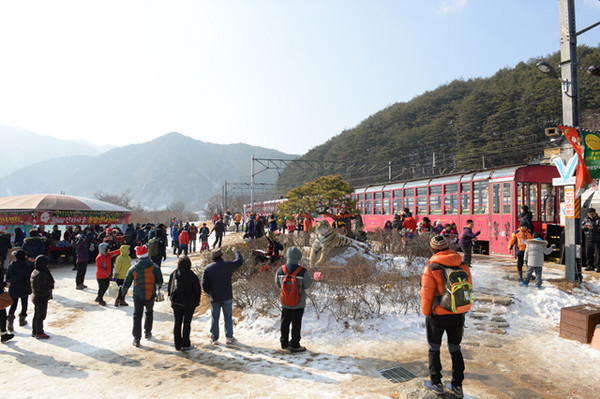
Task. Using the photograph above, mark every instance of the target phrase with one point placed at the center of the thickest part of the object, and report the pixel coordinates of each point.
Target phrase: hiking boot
(187, 348)
(136, 343)
(437, 388)
(22, 320)
(456, 390)
(7, 337)
(285, 346)
(298, 349)
(123, 303)
(97, 299)
(80, 287)
(101, 302)
(230, 341)
(117, 302)
(9, 323)
(42, 336)
(147, 335)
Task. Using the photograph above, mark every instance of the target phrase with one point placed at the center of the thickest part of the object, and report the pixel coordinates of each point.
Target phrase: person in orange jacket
(519, 238)
(104, 270)
(439, 319)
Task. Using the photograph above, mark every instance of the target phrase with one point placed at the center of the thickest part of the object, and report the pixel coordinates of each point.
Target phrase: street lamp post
(570, 114)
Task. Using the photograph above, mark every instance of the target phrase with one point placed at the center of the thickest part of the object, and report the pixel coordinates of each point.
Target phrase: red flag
(582, 176)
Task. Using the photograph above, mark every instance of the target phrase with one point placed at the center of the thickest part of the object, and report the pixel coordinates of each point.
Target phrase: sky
(282, 74)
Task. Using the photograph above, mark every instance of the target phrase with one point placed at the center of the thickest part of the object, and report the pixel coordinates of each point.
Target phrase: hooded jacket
(184, 289)
(18, 275)
(432, 282)
(103, 261)
(122, 263)
(145, 276)
(34, 246)
(535, 251)
(304, 282)
(519, 237)
(184, 238)
(42, 282)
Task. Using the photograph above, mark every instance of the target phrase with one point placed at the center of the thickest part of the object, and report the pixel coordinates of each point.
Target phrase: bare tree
(124, 199)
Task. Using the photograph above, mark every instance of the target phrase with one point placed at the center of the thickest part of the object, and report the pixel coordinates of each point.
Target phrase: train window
(397, 193)
(409, 192)
(465, 198)
(435, 204)
(435, 190)
(450, 204)
(377, 195)
(451, 189)
(533, 200)
(368, 207)
(480, 197)
(548, 203)
(377, 207)
(496, 198)
(409, 202)
(421, 191)
(397, 204)
(506, 199)
(421, 205)
(360, 206)
(387, 194)
(387, 210)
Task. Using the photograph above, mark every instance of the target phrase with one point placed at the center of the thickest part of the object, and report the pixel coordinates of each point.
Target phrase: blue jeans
(216, 307)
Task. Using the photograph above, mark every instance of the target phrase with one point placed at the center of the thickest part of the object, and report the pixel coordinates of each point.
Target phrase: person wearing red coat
(104, 270)
(184, 241)
(439, 319)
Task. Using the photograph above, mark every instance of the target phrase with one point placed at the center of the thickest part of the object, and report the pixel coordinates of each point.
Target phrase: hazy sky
(284, 74)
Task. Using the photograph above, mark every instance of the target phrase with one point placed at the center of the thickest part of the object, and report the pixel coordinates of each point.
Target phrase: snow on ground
(90, 354)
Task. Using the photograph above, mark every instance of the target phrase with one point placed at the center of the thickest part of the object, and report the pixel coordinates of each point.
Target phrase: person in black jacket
(219, 229)
(4, 247)
(42, 285)
(34, 245)
(184, 292)
(4, 335)
(591, 231)
(216, 282)
(19, 273)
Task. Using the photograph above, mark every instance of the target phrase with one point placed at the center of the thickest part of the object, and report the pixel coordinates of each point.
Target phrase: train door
(502, 218)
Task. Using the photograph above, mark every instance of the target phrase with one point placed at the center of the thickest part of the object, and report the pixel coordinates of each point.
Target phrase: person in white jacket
(534, 258)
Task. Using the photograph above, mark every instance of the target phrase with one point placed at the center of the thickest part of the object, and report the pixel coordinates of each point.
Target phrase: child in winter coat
(104, 270)
(42, 284)
(122, 266)
(519, 238)
(534, 258)
(18, 275)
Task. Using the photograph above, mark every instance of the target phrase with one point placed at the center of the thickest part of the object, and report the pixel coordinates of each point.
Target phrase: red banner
(63, 218)
(8, 219)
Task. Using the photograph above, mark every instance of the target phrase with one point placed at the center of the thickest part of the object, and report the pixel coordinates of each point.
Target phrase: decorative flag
(582, 177)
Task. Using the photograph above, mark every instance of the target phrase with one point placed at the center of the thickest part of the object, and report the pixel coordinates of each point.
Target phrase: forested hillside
(463, 125)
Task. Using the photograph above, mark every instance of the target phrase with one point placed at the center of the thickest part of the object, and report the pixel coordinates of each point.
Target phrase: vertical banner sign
(583, 178)
(569, 202)
(591, 154)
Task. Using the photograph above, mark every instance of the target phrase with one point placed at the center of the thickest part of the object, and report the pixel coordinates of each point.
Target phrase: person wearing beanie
(82, 256)
(104, 270)
(439, 319)
(290, 313)
(216, 282)
(42, 284)
(519, 239)
(18, 275)
(146, 277)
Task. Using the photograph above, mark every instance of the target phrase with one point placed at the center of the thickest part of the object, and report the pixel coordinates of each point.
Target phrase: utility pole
(570, 114)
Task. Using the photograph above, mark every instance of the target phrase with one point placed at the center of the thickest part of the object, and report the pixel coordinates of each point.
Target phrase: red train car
(491, 198)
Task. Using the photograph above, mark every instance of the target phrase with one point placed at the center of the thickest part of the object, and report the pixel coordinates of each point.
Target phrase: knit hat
(438, 243)
(217, 253)
(141, 251)
(293, 255)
